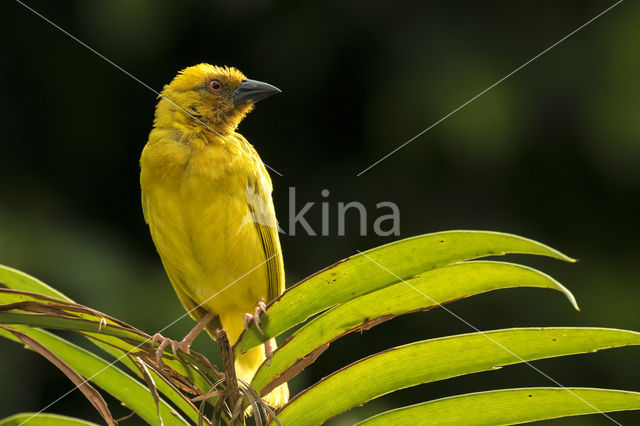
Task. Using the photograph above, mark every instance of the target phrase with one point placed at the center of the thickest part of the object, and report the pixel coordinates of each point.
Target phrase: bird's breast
(195, 201)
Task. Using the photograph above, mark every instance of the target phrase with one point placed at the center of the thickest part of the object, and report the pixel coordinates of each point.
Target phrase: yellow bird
(206, 197)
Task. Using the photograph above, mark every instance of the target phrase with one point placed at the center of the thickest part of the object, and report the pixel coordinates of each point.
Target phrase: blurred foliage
(552, 153)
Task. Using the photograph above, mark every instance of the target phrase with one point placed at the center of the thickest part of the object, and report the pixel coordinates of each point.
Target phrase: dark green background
(552, 153)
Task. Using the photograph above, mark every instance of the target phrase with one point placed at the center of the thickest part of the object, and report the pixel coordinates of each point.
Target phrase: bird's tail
(246, 366)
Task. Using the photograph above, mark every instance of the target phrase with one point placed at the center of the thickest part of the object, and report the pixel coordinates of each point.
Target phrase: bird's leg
(185, 343)
(255, 318)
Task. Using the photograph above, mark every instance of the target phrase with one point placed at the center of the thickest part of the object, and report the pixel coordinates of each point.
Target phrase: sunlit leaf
(422, 291)
(510, 406)
(438, 359)
(364, 273)
(43, 419)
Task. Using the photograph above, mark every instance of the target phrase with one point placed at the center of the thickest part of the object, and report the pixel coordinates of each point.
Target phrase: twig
(228, 361)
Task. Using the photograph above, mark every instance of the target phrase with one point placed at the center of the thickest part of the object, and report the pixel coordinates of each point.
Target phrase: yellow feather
(206, 197)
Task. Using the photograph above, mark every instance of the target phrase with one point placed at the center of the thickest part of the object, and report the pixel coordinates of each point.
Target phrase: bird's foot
(255, 318)
(176, 346)
(185, 343)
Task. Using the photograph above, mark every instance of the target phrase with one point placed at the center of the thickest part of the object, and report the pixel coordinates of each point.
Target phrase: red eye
(215, 86)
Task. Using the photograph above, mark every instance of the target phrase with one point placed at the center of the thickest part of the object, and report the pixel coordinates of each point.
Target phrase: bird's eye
(215, 86)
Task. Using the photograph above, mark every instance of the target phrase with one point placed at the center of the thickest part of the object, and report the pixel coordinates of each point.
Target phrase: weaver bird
(206, 197)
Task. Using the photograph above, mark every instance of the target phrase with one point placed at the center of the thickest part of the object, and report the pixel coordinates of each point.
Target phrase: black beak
(251, 91)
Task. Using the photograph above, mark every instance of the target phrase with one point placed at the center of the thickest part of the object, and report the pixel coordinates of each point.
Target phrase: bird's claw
(248, 319)
(176, 346)
(255, 318)
(164, 342)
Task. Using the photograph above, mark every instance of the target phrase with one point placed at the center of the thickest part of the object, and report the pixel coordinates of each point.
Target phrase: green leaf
(510, 406)
(421, 292)
(110, 378)
(43, 419)
(72, 324)
(94, 397)
(111, 335)
(71, 316)
(18, 280)
(362, 273)
(438, 359)
(118, 348)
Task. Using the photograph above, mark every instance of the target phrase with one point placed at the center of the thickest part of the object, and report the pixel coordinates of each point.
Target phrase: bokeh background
(552, 153)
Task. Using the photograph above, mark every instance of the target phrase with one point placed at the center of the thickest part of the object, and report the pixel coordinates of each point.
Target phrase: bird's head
(207, 96)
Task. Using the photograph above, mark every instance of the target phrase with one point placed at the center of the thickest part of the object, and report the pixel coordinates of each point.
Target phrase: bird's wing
(194, 310)
(144, 207)
(264, 220)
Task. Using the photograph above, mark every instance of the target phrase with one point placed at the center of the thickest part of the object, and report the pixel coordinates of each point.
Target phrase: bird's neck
(197, 140)
(171, 116)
